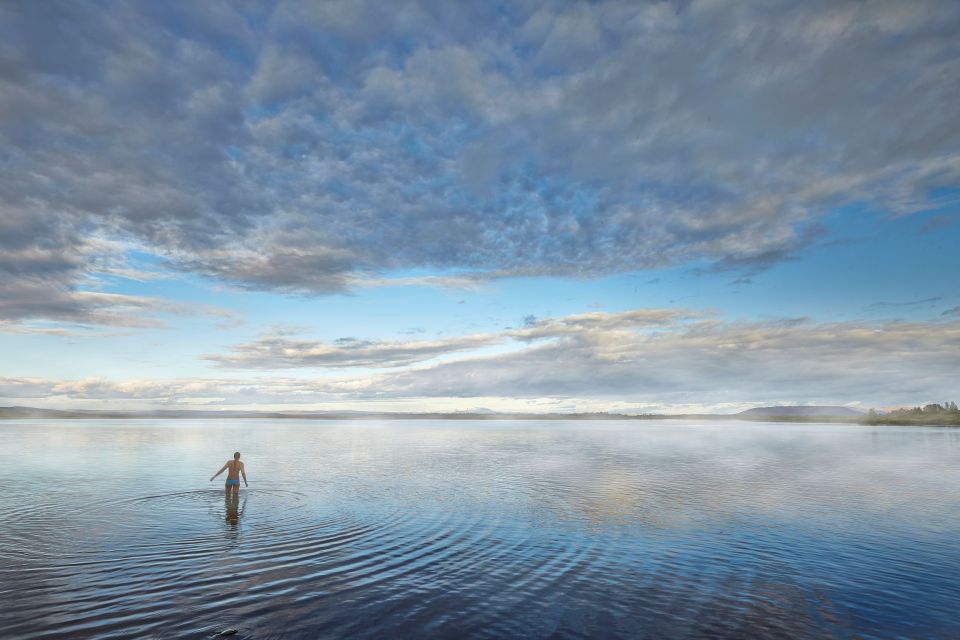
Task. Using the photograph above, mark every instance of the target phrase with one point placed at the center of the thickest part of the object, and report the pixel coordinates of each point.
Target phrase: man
(234, 470)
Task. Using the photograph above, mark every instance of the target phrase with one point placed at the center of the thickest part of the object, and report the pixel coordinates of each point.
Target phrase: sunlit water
(479, 529)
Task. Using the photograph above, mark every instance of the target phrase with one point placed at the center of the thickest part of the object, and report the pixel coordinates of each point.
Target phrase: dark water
(479, 529)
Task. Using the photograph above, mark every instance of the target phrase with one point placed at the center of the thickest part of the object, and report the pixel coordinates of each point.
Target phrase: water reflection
(233, 509)
(482, 530)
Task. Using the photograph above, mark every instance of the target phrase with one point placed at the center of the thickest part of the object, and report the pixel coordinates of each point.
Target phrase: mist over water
(483, 529)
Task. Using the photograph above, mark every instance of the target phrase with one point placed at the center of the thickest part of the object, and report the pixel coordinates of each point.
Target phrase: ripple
(283, 548)
(571, 536)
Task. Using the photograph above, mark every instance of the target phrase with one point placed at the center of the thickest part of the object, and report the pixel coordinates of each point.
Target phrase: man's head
(236, 455)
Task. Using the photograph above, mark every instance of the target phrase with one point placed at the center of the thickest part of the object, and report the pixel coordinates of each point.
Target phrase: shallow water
(488, 529)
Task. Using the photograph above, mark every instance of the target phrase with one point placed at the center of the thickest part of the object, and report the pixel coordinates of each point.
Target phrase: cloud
(281, 352)
(51, 272)
(44, 329)
(881, 305)
(38, 284)
(710, 362)
(600, 323)
(25, 302)
(469, 281)
(313, 147)
(277, 350)
(140, 392)
(650, 358)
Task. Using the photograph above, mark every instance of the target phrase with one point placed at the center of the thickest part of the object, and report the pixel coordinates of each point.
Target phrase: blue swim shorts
(230, 483)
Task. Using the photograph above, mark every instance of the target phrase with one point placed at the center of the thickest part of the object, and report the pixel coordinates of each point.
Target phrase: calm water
(479, 529)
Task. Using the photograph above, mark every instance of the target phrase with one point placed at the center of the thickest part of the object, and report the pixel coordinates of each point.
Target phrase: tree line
(933, 413)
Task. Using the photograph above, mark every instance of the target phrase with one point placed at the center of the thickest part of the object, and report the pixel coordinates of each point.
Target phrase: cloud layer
(277, 351)
(306, 147)
(642, 358)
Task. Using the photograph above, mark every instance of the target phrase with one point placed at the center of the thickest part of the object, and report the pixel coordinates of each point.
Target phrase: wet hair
(236, 454)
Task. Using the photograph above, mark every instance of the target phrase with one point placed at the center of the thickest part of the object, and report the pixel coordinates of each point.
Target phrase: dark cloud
(315, 147)
(43, 265)
(38, 278)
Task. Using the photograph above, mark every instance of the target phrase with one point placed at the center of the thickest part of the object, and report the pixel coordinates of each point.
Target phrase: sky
(644, 207)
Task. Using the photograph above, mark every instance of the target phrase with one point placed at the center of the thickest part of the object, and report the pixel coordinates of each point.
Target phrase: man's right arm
(225, 464)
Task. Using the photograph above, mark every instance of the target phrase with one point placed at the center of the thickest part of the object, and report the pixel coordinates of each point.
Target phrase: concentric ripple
(470, 531)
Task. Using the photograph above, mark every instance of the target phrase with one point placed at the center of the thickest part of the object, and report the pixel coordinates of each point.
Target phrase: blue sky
(544, 206)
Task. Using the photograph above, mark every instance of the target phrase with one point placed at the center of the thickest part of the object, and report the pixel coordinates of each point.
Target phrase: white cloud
(278, 351)
(641, 360)
(710, 362)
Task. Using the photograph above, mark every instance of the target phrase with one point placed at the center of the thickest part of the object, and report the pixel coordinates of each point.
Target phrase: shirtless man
(234, 470)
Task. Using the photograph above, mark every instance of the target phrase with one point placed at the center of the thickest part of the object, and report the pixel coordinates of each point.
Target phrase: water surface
(482, 529)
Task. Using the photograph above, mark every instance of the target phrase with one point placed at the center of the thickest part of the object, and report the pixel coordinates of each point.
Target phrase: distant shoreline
(13, 413)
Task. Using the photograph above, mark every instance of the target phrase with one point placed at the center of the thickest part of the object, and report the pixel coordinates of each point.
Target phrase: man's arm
(243, 472)
(222, 469)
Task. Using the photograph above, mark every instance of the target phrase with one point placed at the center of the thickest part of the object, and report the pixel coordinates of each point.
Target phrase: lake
(479, 529)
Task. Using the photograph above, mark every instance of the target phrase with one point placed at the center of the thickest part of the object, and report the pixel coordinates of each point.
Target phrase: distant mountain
(808, 411)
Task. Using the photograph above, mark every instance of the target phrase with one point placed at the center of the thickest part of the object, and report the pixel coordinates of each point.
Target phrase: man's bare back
(234, 469)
